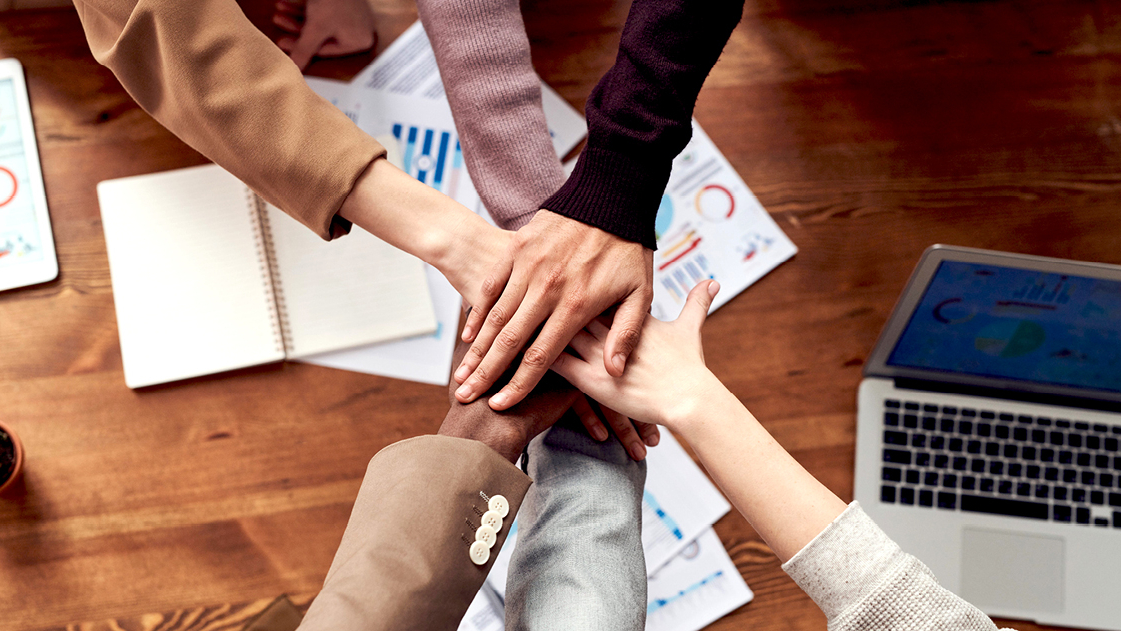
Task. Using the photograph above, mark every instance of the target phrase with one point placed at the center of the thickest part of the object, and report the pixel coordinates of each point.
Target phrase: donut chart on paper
(715, 202)
(6, 196)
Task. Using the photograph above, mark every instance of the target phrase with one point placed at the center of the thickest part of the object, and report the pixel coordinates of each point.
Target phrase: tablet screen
(1003, 322)
(20, 236)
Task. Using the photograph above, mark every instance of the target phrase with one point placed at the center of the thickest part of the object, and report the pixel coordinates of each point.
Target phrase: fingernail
(500, 399)
(653, 440)
(638, 450)
(462, 373)
(620, 360)
(600, 434)
(713, 287)
(464, 392)
(467, 331)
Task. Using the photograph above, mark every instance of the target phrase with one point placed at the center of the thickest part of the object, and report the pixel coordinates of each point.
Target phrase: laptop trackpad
(1012, 571)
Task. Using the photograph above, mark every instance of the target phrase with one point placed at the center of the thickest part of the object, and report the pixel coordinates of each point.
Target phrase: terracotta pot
(17, 463)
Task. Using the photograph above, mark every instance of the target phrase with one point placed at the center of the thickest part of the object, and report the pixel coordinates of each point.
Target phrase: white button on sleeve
(487, 535)
(492, 519)
(499, 505)
(480, 553)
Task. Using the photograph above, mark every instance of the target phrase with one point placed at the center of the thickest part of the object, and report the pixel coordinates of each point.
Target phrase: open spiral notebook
(208, 277)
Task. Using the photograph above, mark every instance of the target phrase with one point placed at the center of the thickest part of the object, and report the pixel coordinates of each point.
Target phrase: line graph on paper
(698, 586)
(660, 532)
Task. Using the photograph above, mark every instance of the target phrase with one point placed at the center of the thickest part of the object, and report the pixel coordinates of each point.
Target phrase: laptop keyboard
(987, 461)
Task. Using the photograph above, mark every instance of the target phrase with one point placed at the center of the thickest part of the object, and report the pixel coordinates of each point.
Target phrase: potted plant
(11, 457)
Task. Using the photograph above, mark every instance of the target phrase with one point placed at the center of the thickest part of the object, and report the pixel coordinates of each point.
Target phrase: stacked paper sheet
(691, 579)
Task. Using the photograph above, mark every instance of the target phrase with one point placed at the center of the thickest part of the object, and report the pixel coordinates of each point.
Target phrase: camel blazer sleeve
(403, 563)
(206, 73)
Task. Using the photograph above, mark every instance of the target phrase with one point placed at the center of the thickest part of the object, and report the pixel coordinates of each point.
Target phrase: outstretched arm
(785, 504)
(207, 74)
(860, 578)
(593, 248)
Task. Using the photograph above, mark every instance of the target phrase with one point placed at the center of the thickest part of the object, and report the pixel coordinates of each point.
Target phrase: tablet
(27, 254)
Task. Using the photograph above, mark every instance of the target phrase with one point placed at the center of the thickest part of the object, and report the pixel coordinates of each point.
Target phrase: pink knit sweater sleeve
(483, 54)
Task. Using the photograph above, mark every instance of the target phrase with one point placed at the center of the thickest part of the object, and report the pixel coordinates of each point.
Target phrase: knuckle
(491, 287)
(477, 352)
(497, 316)
(576, 303)
(482, 375)
(554, 280)
(535, 358)
(508, 341)
(517, 386)
(627, 339)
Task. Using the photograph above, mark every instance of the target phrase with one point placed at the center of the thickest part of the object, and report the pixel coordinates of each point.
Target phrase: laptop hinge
(1012, 395)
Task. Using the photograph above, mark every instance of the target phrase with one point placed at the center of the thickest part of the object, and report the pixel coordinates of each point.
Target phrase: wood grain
(870, 129)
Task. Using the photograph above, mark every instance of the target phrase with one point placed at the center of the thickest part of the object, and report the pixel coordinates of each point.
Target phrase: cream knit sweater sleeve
(863, 581)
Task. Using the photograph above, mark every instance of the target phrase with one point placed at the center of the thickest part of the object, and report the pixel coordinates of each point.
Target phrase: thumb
(697, 304)
(623, 336)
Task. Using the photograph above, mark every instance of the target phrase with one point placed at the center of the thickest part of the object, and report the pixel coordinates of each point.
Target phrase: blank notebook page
(191, 291)
(353, 290)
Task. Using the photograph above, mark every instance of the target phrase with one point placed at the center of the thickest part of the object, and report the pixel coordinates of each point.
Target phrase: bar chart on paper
(710, 225)
(432, 156)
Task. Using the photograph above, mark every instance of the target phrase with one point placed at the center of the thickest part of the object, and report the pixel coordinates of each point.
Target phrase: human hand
(466, 261)
(562, 273)
(666, 378)
(510, 431)
(632, 434)
(324, 28)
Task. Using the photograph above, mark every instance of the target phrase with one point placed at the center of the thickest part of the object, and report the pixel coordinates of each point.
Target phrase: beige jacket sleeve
(207, 74)
(403, 563)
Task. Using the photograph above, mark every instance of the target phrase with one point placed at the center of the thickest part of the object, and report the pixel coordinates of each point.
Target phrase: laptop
(988, 429)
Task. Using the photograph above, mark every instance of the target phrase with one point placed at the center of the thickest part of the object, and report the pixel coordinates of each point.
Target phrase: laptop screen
(1018, 324)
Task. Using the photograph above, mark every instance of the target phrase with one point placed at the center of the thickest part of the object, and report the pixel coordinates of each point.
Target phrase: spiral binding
(270, 276)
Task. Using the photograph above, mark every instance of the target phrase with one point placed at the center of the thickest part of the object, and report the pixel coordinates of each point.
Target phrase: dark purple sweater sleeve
(639, 115)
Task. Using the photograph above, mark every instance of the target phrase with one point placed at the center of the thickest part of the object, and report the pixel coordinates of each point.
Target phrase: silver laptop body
(988, 426)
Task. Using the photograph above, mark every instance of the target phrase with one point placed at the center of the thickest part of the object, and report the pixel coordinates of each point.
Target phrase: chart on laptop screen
(1020, 324)
(19, 233)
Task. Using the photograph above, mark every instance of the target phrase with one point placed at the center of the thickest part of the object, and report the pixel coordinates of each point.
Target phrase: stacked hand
(567, 272)
(510, 431)
(554, 269)
(558, 274)
(649, 391)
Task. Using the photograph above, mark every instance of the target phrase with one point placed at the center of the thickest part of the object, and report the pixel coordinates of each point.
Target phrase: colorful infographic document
(678, 504)
(20, 236)
(429, 150)
(699, 586)
(710, 225)
(408, 68)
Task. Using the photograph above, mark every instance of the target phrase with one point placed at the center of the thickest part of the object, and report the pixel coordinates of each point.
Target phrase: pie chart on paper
(1010, 338)
(8, 186)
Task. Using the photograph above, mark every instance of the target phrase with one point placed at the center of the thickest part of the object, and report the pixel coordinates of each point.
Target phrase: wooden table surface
(870, 129)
